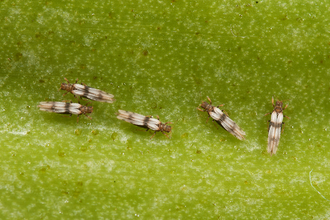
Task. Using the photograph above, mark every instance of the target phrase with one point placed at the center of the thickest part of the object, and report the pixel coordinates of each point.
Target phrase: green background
(163, 58)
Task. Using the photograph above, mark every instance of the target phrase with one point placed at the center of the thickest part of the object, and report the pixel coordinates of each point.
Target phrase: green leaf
(163, 58)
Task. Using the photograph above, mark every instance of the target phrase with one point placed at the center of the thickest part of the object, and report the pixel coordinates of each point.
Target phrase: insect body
(144, 121)
(275, 126)
(87, 92)
(222, 119)
(66, 108)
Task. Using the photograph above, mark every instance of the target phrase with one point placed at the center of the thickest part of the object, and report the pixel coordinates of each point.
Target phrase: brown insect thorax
(86, 109)
(207, 106)
(278, 107)
(68, 87)
(164, 127)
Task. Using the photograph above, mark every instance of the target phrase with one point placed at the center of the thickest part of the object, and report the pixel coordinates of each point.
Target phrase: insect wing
(131, 117)
(216, 114)
(153, 124)
(74, 108)
(92, 94)
(79, 90)
(274, 133)
(139, 120)
(60, 107)
(228, 124)
(57, 107)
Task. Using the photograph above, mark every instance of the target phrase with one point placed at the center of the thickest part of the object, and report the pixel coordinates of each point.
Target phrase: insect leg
(215, 124)
(153, 135)
(77, 97)
(66, 80)
(273, 102)
(209, 100)
(76, 80)
(202, 110)
(77, 118)
(282, 127)
(87, 116)
(268, 113)
(225, 112)
(166, 135)
(285, 107)
(207, 119)
(81, 98)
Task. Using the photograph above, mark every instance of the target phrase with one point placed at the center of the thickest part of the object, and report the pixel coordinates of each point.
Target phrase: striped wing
(216, 114)
(139, 120)
(92, 94)
(74, 108)
(227, 123)
(274, 132)
(60, 107)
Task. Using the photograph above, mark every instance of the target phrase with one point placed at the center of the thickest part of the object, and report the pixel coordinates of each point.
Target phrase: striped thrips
(222, 119)
(87, 92)
(275, 126)
(144, 121)
(66, 108)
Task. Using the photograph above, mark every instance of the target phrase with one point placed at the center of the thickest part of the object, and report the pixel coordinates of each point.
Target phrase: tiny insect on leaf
(145, 122)
(66, 108)
(275, 126)
(86, 92)
(222, 119)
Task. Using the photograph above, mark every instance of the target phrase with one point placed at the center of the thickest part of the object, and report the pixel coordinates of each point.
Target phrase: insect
(222, 119)
(66, 108)
(145, 122)
(275, 126)
(87, 92)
